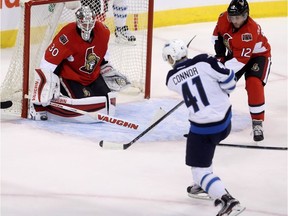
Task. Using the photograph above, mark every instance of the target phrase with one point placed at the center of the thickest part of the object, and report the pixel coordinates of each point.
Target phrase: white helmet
(85, 19)
(176, 49)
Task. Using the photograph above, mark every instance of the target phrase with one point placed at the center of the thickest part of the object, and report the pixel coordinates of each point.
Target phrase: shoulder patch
(247, 37)
(63, 39)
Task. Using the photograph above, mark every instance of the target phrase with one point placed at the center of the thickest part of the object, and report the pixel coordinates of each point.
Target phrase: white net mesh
(47, 19)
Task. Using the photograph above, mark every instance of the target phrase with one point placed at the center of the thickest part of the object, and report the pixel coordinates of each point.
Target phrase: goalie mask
(176, 49)
(85, 19)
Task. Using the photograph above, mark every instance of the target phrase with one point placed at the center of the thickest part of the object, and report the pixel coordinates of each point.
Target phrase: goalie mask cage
(42, 19)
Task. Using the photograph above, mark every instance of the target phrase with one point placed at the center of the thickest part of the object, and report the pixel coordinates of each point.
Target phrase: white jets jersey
(205, 85)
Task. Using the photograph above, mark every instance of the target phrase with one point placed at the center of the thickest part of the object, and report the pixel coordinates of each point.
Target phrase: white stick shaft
(99, 116)
(112, 145)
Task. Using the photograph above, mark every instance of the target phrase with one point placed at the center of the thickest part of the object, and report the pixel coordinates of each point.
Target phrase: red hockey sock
(256, 98)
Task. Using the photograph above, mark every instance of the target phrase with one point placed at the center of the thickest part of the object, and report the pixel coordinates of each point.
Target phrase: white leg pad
(86, 104)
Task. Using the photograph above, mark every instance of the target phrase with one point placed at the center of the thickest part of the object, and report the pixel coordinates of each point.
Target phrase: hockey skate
(124, 36)
(37, 112)
(195, 191)
(230, 206)
(257, 130)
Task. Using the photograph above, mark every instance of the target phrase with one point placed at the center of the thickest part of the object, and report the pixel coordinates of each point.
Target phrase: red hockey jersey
(80, 60)
(244, 43)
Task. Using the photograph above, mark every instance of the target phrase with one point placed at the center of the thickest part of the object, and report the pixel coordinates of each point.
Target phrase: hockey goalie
(74, 71)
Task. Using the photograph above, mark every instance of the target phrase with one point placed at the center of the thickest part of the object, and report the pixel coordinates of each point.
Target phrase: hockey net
(42, 19)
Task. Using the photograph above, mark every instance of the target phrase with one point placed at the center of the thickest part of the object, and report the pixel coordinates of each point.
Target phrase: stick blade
(6, 104)
(111, 145)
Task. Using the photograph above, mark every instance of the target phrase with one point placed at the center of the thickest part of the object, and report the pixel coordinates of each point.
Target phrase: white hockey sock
(209, 182)
(213, 185)
(120, 12)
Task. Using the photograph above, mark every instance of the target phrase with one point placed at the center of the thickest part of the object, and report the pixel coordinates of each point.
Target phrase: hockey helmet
(176, 49)
(238, 7)
(85, 19)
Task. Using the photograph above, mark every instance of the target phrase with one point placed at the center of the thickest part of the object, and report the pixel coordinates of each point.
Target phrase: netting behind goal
(42, 19)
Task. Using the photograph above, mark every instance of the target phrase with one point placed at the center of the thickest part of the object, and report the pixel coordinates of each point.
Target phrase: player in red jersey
(240, 44)
(74, 67)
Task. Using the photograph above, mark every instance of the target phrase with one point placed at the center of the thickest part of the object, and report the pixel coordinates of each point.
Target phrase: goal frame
(26, 49)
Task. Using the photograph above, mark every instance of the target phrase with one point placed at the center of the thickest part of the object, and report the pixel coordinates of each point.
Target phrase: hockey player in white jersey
(205, 85)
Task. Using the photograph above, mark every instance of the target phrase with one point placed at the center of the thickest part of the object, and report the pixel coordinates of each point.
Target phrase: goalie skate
(124, 36)
(195, 191)
(37, 112)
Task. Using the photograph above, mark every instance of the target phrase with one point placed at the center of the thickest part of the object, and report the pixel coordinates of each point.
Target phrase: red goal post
(42, 19)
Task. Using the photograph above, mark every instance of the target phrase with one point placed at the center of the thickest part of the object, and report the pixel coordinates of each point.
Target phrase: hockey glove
(113, 78)
(220, 49)
(220, 59)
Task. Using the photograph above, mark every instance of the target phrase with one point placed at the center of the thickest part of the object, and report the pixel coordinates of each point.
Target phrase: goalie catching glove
(115, 80)
(46, 87)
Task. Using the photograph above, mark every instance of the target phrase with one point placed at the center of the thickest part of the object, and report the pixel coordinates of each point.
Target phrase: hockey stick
(6, 104)
(98, 116)
(119, 146)
(253, 146)
(190, 41)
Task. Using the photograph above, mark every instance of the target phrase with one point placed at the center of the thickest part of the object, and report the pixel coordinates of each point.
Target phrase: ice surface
(57, 168)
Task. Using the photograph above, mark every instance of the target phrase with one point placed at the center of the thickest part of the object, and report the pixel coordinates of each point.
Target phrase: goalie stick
(6, 104)
(253, 146)
(98, 116)
(119, 146)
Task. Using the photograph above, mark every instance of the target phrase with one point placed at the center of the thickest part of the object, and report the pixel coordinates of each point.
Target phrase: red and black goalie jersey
(79, 60)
